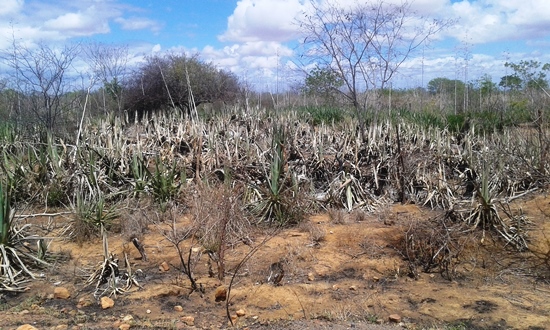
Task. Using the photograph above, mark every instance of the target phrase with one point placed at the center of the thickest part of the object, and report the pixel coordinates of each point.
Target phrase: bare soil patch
(337, 275)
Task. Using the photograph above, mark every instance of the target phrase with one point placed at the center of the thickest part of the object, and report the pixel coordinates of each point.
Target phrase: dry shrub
(359, 215)
(135, 219)
(316, 233)
(541, 258)
(540, 247)
(338, 216)
(219, 221)
(435, 245)
(372, 248)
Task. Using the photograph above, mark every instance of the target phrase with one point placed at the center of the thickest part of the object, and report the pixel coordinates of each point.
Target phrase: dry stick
(400, 172)
(140, 248)
(241, 263)
(192, 105)
(24, 216)
(166, 86)
(300, 302)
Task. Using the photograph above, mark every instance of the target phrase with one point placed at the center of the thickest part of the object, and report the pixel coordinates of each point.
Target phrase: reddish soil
(337, 276)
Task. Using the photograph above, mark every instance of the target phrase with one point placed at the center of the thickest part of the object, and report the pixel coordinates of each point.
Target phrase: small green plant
(455, 122)
(164, 182)
(485, 215)
(323, 115)
(7, 133)
(91, 215)
(277, 200)
(140, 174)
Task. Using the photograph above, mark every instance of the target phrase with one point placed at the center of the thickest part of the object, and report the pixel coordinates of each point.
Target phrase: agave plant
(276, 200)
(15, 257)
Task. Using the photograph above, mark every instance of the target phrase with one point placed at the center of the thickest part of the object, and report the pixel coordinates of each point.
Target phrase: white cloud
(138, 23)
(57, 21)
(263, 20)
(485, 21)
(156, 48)
(10, 7)
(79, 23)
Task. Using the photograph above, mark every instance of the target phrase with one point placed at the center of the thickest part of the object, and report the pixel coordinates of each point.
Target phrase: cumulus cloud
(10, 7)
(78, 23)
(486, 21)
(249, 55)
(55, 21)
(263, 20)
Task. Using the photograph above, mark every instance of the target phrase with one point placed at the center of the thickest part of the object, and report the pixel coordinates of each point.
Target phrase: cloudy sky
(257, 39)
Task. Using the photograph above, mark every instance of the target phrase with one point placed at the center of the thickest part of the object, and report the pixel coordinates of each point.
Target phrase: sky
(257, 39)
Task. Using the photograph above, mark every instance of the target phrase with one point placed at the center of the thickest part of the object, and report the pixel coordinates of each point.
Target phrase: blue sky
(256, 38)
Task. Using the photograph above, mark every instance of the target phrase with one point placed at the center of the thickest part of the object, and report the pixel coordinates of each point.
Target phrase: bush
(456, 123)
(322, 115)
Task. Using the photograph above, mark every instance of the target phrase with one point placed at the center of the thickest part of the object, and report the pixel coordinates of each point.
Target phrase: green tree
(178, 81)
(445, 86)
(486, 85)
(531, 74)
(511, 82)
(325, 83)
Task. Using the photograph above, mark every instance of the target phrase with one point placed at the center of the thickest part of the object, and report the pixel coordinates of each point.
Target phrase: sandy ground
(345, 275)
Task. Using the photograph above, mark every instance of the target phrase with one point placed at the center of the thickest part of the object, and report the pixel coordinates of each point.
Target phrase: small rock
(107, 302)
(164, 267)
(127, 318)
(310, 277)
(189, 320)
(84, 302)
(26, 327)
(394, 318)
(62, 327)
(221, 294)
(124, 326)
(61, 293)
(24, 312)
(178, 308)
(376, 279)
(353, 288)
(240, 313)
(148, 311)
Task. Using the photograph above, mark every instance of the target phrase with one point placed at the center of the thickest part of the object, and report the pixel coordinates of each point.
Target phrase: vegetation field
(277, 219)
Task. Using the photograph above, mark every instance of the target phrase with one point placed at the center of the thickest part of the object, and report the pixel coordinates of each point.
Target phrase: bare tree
(364, 43)
(109, 64)
(41, 77)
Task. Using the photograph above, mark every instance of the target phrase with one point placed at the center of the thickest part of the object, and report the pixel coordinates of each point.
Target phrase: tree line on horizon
(352, 55)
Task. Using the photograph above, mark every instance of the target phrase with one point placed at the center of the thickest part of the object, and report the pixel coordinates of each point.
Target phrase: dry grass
(436, 245)
(316, 233)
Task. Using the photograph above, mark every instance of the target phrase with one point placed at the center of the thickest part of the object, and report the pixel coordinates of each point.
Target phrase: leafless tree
(41, 73)
(109, 65)
(365, 43)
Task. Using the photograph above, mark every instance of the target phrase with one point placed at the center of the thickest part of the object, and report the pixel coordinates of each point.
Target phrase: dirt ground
(344, 274)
